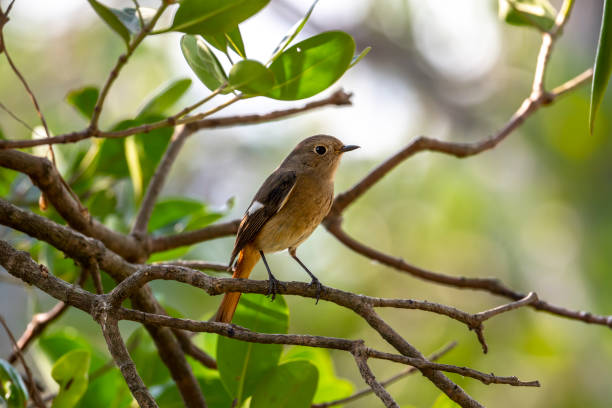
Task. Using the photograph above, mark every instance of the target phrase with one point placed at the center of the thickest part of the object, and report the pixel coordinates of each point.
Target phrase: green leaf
(603, 63)
(213, 16)
(12, 388)
(108, 15)
(359, 57)
(232, 39)
(242, 365)
(130, 19)
(536, 13)
(133, 163)
(70, 372)
(290, 385)
(444, 402)
(163, 100)
(146, 355)
(251, 77)
(170, 211)
(311, 66)
(203, 62)
(292, 33)
(84, 100)
(167, 396)
(330, 386)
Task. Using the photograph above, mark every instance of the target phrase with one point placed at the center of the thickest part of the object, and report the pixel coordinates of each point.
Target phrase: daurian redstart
(287, 208)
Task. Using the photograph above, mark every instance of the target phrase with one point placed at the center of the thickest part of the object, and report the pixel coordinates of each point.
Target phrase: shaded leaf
(213, 16)
(84, 100)
(290, 385)
(603, 63)
(147, 355)
(13, 391)
(234, 39)
(203, 62)
(536, 13)
(221, 41)
(163, 100)
(311, 66)
(330, 387)
(130, 19)
(292, 33)
(70, 372)
(251, 77)
(167, 396)
(242, 365)
(110, 18)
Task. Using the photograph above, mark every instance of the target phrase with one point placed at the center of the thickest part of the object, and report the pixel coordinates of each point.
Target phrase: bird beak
(348, 148)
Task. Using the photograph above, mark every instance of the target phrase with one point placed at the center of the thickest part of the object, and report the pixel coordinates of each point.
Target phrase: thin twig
(404, 373)
(18, 119)
(40, 321)
(361, 358)
(181, 133)
(121, 61)
(32, 390)
(338, 98)
(126, 365)
(199, 265)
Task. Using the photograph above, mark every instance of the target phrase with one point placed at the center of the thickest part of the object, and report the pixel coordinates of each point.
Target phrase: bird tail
(247, 258)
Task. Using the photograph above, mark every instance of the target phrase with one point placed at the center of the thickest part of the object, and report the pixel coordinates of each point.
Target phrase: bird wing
(270, 198)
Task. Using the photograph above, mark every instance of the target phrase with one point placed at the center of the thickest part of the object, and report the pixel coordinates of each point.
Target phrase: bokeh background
(535, 212)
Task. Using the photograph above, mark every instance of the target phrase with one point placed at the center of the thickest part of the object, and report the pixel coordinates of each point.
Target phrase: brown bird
(287, 208)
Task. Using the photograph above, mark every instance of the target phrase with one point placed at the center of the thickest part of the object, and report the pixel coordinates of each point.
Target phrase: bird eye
(320, 150)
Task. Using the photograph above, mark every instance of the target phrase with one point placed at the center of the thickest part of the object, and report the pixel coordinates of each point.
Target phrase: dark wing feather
(272, 195)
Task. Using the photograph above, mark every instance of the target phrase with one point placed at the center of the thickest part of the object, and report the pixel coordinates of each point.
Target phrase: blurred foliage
(535, 212)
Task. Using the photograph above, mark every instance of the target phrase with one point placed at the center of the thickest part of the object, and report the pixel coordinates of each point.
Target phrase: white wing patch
(254, 207)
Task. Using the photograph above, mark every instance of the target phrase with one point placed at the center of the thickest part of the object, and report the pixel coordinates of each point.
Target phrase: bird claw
(316, 282)
(273, 286)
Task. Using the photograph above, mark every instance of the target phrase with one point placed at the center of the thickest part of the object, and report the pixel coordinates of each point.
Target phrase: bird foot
(315, 282)
(273, 287)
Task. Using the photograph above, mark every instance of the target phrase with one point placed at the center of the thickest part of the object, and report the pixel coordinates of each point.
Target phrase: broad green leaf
(150, 147)
(537, 13)
(133, 163)
(173, 215)
(13, 391)
(444, 402)
(359, 57)
(163, 100)
(108, 15)
(59, 342)
(311, 66)
(167, 396)
(603, 63)
(221, 41)
(203, 62)
(84, 100)
(146, 355)
(130, 19)
(70, 372)
(213, 16)
(292, 33)
(290, 385)
(242, 365)
(330, 387)
(234, 39)
(98, 395)
(251, 77)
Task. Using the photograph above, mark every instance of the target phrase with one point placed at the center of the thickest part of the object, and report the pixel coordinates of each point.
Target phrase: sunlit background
(535, 212)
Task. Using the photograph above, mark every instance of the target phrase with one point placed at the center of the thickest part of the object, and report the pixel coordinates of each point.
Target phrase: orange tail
(247, 258)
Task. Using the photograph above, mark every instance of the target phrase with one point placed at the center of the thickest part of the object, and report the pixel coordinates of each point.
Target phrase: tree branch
(338, 98)
(385, 383)
(360, 355)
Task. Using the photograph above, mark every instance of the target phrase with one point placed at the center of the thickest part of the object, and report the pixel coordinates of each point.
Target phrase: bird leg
(315, 281)
(274, 283)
